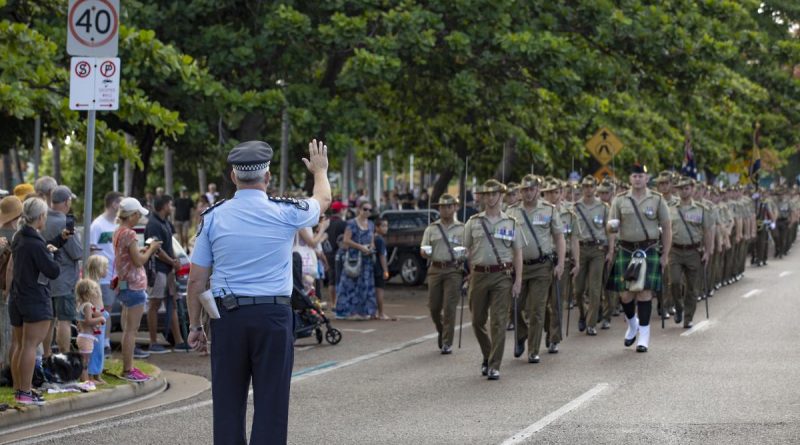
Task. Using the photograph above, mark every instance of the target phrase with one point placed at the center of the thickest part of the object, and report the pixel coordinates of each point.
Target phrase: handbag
(352, 267)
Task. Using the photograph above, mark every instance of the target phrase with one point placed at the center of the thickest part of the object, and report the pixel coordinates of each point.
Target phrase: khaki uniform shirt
(596, 214)
(433, 237)
(697, 219)
(569, 224)
(545, 220)
(725, 219)
(505, 234)
(652, 209)
(784, 208)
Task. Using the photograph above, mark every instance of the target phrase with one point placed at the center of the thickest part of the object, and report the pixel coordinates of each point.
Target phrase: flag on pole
(755, 161)
(689, 167)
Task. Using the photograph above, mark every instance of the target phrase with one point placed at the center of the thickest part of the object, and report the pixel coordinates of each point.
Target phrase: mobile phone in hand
(71, 223)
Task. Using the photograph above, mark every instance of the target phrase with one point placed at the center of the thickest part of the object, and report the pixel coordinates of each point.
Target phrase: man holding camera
(163, 286)
(62, 289)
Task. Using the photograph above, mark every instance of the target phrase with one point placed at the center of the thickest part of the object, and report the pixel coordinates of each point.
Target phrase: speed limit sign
(93, 28)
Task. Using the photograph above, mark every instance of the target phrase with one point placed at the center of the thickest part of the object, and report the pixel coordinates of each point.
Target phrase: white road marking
(785, 273)
(360, 331)
(702, 326)
(555, 415)
(752, 293)
(127, 419)
(412, 317)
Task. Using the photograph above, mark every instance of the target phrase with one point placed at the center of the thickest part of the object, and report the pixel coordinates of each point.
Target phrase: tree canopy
(525, 82)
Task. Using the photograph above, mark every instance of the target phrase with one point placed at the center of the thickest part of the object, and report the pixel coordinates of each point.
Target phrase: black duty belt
(540, 260)
(598, 243)
(249, 301)
(446, 264)
(493, 268)
(694, 246)
(639, 245)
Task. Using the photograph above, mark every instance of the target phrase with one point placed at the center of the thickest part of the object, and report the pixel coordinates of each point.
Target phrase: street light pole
(284, 141)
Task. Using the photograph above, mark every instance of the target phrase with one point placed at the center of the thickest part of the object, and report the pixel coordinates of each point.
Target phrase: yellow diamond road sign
(604, 145)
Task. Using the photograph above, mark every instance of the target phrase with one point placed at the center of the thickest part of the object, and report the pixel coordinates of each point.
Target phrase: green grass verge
(111, 371)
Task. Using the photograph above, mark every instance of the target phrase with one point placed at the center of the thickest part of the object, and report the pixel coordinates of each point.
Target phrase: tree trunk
(168, 186)
(146, 140)
(440, 186)
(7, 171)
(505, 171)
(57, 159)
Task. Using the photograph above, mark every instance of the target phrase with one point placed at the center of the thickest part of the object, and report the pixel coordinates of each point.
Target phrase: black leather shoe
(447, 349)
(439, 340)
(519, 348)
(485, 368)
(494, 374)
(591, 331)
(630, 342)
(581, 324)
(687, 324)
(641, 348)
(678, 316)
(534, 358)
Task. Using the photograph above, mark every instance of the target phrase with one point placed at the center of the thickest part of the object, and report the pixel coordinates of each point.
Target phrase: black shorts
(22, 310)
(379, 281)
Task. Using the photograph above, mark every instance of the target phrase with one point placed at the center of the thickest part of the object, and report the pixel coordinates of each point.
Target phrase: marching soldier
(634, 218)
(665, 183)
(781, 233)
(512, 196)
(610, 298)
(541, 224)
(692, 230)
(442, 244)
(701, 195)
(495, 247)
(764, 218)
(552, 193)
(594, 260)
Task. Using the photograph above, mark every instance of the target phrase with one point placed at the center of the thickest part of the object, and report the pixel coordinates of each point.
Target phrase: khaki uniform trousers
(686, 268)
(536, 280)
(444, 288)
(762, 244)
(554, 314)
(590, 282)
(490, 292)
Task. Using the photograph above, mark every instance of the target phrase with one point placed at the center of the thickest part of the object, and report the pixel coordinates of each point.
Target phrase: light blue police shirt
(248, 241)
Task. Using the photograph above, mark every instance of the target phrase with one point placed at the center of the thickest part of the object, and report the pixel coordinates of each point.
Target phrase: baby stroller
(308, 315)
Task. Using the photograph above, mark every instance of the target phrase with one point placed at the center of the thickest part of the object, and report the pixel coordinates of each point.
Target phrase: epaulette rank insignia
(299, 204)
(205, 212)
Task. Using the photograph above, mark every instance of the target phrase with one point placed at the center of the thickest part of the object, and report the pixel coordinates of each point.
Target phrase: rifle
(461, 323)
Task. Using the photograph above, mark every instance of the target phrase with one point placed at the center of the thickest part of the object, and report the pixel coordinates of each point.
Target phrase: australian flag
(755, 162)
(688, 168)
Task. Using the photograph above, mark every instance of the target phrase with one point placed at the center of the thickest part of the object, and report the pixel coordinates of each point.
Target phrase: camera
(71, 223)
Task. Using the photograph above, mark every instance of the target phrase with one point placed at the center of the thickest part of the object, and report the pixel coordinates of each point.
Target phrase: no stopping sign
(93, 28)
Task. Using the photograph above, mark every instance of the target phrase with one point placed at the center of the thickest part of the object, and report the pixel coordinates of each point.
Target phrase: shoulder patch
(211, 209)
(301, 205)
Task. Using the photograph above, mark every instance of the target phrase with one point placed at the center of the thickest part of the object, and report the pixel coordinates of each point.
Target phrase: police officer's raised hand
(317, 160)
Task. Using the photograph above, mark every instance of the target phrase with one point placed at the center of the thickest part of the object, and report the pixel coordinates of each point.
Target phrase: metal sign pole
(87, 189)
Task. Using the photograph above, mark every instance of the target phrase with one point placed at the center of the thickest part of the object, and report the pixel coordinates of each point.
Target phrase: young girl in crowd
(90, 320)
(97, 268)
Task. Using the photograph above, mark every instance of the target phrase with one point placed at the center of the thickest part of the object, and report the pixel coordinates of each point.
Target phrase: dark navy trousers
(255, 343)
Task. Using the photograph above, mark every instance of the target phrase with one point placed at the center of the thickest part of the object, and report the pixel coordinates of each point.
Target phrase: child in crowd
(97, 268)
(90, 320)
(381, 267)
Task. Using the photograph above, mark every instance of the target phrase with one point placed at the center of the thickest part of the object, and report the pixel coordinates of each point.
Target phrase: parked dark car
(182, 277)
(403, 240)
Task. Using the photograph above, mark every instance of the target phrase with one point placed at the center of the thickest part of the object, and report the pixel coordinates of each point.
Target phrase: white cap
(132, 204)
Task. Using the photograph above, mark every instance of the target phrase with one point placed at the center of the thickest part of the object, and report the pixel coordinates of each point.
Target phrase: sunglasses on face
(366, 209)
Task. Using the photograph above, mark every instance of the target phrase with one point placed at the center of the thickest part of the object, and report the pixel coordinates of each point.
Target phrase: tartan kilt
(652, 281)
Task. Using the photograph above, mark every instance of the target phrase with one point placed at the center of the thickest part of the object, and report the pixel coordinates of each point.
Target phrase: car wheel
(412, 270)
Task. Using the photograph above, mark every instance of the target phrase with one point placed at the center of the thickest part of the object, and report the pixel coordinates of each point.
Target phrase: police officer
(444, 239)
(692, 230)
(541, 224)
(634, 218)
(494, 243)
(561, 293)
(592, 217)
(248, 243)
